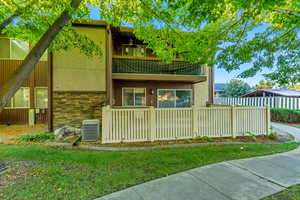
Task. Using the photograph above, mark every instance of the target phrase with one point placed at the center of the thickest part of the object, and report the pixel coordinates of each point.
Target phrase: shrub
(285, 115)
(40, 137)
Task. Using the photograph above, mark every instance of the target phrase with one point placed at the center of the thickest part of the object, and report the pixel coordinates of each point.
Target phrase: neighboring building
(273, 93)
(219, 89)
(127, 75)
(33, 95)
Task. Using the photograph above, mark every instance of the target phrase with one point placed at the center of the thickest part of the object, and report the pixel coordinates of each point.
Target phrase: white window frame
(134, 88)
(157, 100)
(35, 96)
(11, 101)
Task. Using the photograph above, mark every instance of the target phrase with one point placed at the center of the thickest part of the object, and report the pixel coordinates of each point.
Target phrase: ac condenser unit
(90, 130)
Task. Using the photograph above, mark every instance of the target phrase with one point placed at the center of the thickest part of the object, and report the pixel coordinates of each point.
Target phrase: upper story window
(133, 50)
(15, 49)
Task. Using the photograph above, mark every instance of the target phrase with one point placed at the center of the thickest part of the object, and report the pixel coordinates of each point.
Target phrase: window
(134, 96)
(13, 49)
(171, 98)
(20, 99)
(41, 97)
(133, 50)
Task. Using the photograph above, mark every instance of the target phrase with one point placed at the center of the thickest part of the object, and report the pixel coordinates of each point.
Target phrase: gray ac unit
(90, 130)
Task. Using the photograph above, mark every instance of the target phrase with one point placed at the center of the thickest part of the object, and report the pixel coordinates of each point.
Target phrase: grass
(292, 193)
(297, 125)
(66, 174)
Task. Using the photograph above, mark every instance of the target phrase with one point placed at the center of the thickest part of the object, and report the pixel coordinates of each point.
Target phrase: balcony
(145, 68)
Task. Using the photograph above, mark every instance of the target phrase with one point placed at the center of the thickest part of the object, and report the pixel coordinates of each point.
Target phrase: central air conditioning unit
(90, 130)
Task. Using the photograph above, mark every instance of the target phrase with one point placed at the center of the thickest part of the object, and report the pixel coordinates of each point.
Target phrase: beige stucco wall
(201, 95)
(73, 71)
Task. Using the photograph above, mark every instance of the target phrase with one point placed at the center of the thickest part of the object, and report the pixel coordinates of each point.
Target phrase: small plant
(273, 136)
(40, 137)
(189, 141)
(206, 138)
(252, 136)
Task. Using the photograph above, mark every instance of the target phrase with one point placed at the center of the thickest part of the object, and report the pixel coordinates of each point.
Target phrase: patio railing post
(152, 124)
(195, 124)
(233, 121)
(268, 119)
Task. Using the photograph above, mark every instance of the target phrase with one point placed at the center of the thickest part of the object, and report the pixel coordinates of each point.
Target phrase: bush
(285, 115)
(40, 137)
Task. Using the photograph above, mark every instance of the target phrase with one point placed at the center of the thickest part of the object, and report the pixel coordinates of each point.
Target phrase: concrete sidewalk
(246, 179)
(282, 128)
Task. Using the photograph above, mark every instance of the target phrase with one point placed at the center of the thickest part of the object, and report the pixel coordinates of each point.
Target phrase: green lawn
(66, 174)
(297, 126)
(292, 193)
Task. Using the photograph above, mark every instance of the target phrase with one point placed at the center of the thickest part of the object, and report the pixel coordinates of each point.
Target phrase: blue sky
(221, 76)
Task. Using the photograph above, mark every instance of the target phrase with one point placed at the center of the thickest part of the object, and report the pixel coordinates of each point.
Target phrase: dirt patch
(8, 134)
(15, 172)
(259, 139)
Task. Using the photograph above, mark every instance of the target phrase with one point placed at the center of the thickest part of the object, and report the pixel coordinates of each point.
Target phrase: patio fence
(273, 102)
(154, 124)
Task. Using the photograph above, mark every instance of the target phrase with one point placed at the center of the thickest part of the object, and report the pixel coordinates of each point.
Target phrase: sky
(221, 76)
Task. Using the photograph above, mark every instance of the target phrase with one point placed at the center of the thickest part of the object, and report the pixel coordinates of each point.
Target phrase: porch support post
(152, 124)
(233, 122)
(195, 124)
(268, 120)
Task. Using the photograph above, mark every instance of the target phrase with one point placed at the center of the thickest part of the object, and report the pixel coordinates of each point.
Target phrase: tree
(205, 32)
(264, 84)
(236, 88)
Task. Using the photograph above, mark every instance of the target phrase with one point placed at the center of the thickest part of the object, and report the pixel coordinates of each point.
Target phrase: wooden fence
(273, 102)
(152, 124)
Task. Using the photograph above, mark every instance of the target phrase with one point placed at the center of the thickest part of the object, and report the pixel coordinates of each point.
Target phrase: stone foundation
(70, 108)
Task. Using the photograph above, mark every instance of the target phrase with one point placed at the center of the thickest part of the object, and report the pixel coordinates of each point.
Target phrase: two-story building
(127, 75)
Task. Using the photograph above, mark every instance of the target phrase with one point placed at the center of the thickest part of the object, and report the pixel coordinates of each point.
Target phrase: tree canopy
(219, 33)
(236, 88)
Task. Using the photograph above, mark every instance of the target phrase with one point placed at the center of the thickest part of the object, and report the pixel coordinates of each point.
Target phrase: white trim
(35, 96)
(134, 97)
(157, 102)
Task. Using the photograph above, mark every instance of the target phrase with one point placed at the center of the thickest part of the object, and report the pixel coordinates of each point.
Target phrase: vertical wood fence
(153, 124)
(273, 102)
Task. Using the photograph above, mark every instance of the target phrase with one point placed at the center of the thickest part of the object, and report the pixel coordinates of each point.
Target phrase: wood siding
(38, 78)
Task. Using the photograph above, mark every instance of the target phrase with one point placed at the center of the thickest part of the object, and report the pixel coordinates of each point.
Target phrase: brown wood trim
(142, 58)
(50, 91)
(90, 23)
(109, 48)
(159, 77)
(211, 85)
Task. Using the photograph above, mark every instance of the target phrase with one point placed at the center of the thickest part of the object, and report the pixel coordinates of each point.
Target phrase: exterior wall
(79, 82)
(201, 91)
(70, 108)
(38, 78)
(151, 99)
(73, 71)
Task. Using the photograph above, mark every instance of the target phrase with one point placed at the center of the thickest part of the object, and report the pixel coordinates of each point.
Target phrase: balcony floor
(159, 77)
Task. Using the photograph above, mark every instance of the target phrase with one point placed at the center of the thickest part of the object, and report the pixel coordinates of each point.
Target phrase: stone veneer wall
(70, 108)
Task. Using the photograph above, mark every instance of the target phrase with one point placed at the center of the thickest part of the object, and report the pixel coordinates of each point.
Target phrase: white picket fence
(273, 102)
(153, 124)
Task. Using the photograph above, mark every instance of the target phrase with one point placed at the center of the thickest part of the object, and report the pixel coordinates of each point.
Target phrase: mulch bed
(259, 139)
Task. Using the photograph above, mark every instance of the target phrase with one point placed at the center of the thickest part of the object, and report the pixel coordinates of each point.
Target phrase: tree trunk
(11, 86)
